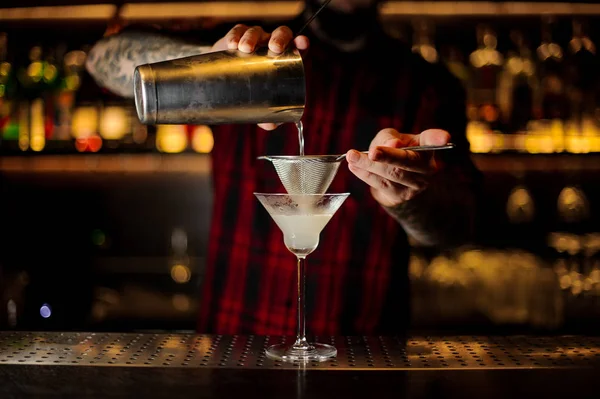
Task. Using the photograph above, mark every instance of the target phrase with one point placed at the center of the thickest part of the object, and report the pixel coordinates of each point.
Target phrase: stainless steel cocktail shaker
(222, 87)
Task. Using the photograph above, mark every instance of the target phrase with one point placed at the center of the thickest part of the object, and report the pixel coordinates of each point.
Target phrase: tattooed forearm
(112, 60)
(442, 215)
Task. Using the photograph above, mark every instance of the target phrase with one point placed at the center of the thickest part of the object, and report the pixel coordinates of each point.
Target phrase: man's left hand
(395, 173)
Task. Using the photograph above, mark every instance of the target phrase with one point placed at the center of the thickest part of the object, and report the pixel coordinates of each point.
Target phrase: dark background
(96, 245)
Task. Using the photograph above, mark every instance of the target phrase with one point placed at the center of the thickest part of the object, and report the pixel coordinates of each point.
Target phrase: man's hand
(247, 39)
(395, 173)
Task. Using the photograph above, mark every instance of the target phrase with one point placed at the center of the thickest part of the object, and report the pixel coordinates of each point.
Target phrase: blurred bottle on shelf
(49, 101)
(9, 113)
(87, 113)
(520, 206)
(573, 206)
(518, 85)
(455, 62)
(582, 72)
(64, 97)
(85, 126)
(552, 100)
(423, 40)
(37, 75)
(37, 78)
(487, 62)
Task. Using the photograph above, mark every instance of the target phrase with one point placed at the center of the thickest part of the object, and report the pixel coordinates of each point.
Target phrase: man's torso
(357, 279)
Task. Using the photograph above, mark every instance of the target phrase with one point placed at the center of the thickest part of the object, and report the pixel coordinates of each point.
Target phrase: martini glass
(301, 218)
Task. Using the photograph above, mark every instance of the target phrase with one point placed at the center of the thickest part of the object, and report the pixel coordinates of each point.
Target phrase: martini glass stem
(301, 342)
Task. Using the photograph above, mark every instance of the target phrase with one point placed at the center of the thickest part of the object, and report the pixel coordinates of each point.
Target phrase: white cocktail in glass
(301, 218)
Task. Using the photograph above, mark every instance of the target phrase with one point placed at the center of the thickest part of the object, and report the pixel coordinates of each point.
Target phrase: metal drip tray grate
(187, 350)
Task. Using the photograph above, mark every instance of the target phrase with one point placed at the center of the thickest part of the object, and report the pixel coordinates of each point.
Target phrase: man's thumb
(434, 137)
(392, 138)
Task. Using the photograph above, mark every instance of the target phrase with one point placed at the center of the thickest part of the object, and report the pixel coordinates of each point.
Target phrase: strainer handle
(415, 148)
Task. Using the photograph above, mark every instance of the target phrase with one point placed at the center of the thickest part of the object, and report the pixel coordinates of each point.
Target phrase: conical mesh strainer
(305, 174)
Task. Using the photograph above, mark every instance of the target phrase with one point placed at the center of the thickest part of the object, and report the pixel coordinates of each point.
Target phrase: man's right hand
(248, 39)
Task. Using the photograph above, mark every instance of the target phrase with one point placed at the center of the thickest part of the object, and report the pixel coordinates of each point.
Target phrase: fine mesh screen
(305, 174)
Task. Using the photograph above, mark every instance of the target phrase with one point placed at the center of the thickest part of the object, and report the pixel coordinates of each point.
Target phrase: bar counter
(36, 364)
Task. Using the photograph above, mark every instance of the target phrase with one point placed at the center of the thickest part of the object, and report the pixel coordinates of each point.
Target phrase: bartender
(365, 90)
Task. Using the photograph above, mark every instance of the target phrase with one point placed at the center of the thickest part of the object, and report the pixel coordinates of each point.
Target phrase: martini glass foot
(312, 352)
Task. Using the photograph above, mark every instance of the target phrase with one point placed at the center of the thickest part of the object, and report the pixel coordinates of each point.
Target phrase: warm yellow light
(5, 68)
(479, 139)
(181, 302)
(171, 138)
(477, 59)
(34, 71)
(75, 58)
(498, 141)
(588, 127)
(37, 139)
(202, 140)
(23, 127)
(532, 144)
(428, 52)
(37, 143)
(23, 143)
(515, 65)
(72, 82)
(546, 144)
(576, 287)
(114, 123)
(557, 133)
(180, 274)
(578, 144)
(274, 9)
(594, 144)
(416, 267)
(520, 207)
(562, 244)
(565, 282)
(100, 12)
(85, 122)
(539, 143)
(572, 204)
(471, 259)
(49, 73)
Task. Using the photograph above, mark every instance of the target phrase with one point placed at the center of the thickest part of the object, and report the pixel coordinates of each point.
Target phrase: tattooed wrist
(443, 214)
(112, 60)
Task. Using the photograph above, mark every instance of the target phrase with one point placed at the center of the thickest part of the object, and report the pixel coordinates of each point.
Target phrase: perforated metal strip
(182, 350)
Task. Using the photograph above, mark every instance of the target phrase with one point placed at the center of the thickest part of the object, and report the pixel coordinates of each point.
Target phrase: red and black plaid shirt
(357, 279)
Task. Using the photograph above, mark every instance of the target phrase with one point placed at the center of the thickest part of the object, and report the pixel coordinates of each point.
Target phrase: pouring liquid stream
(300, 128)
